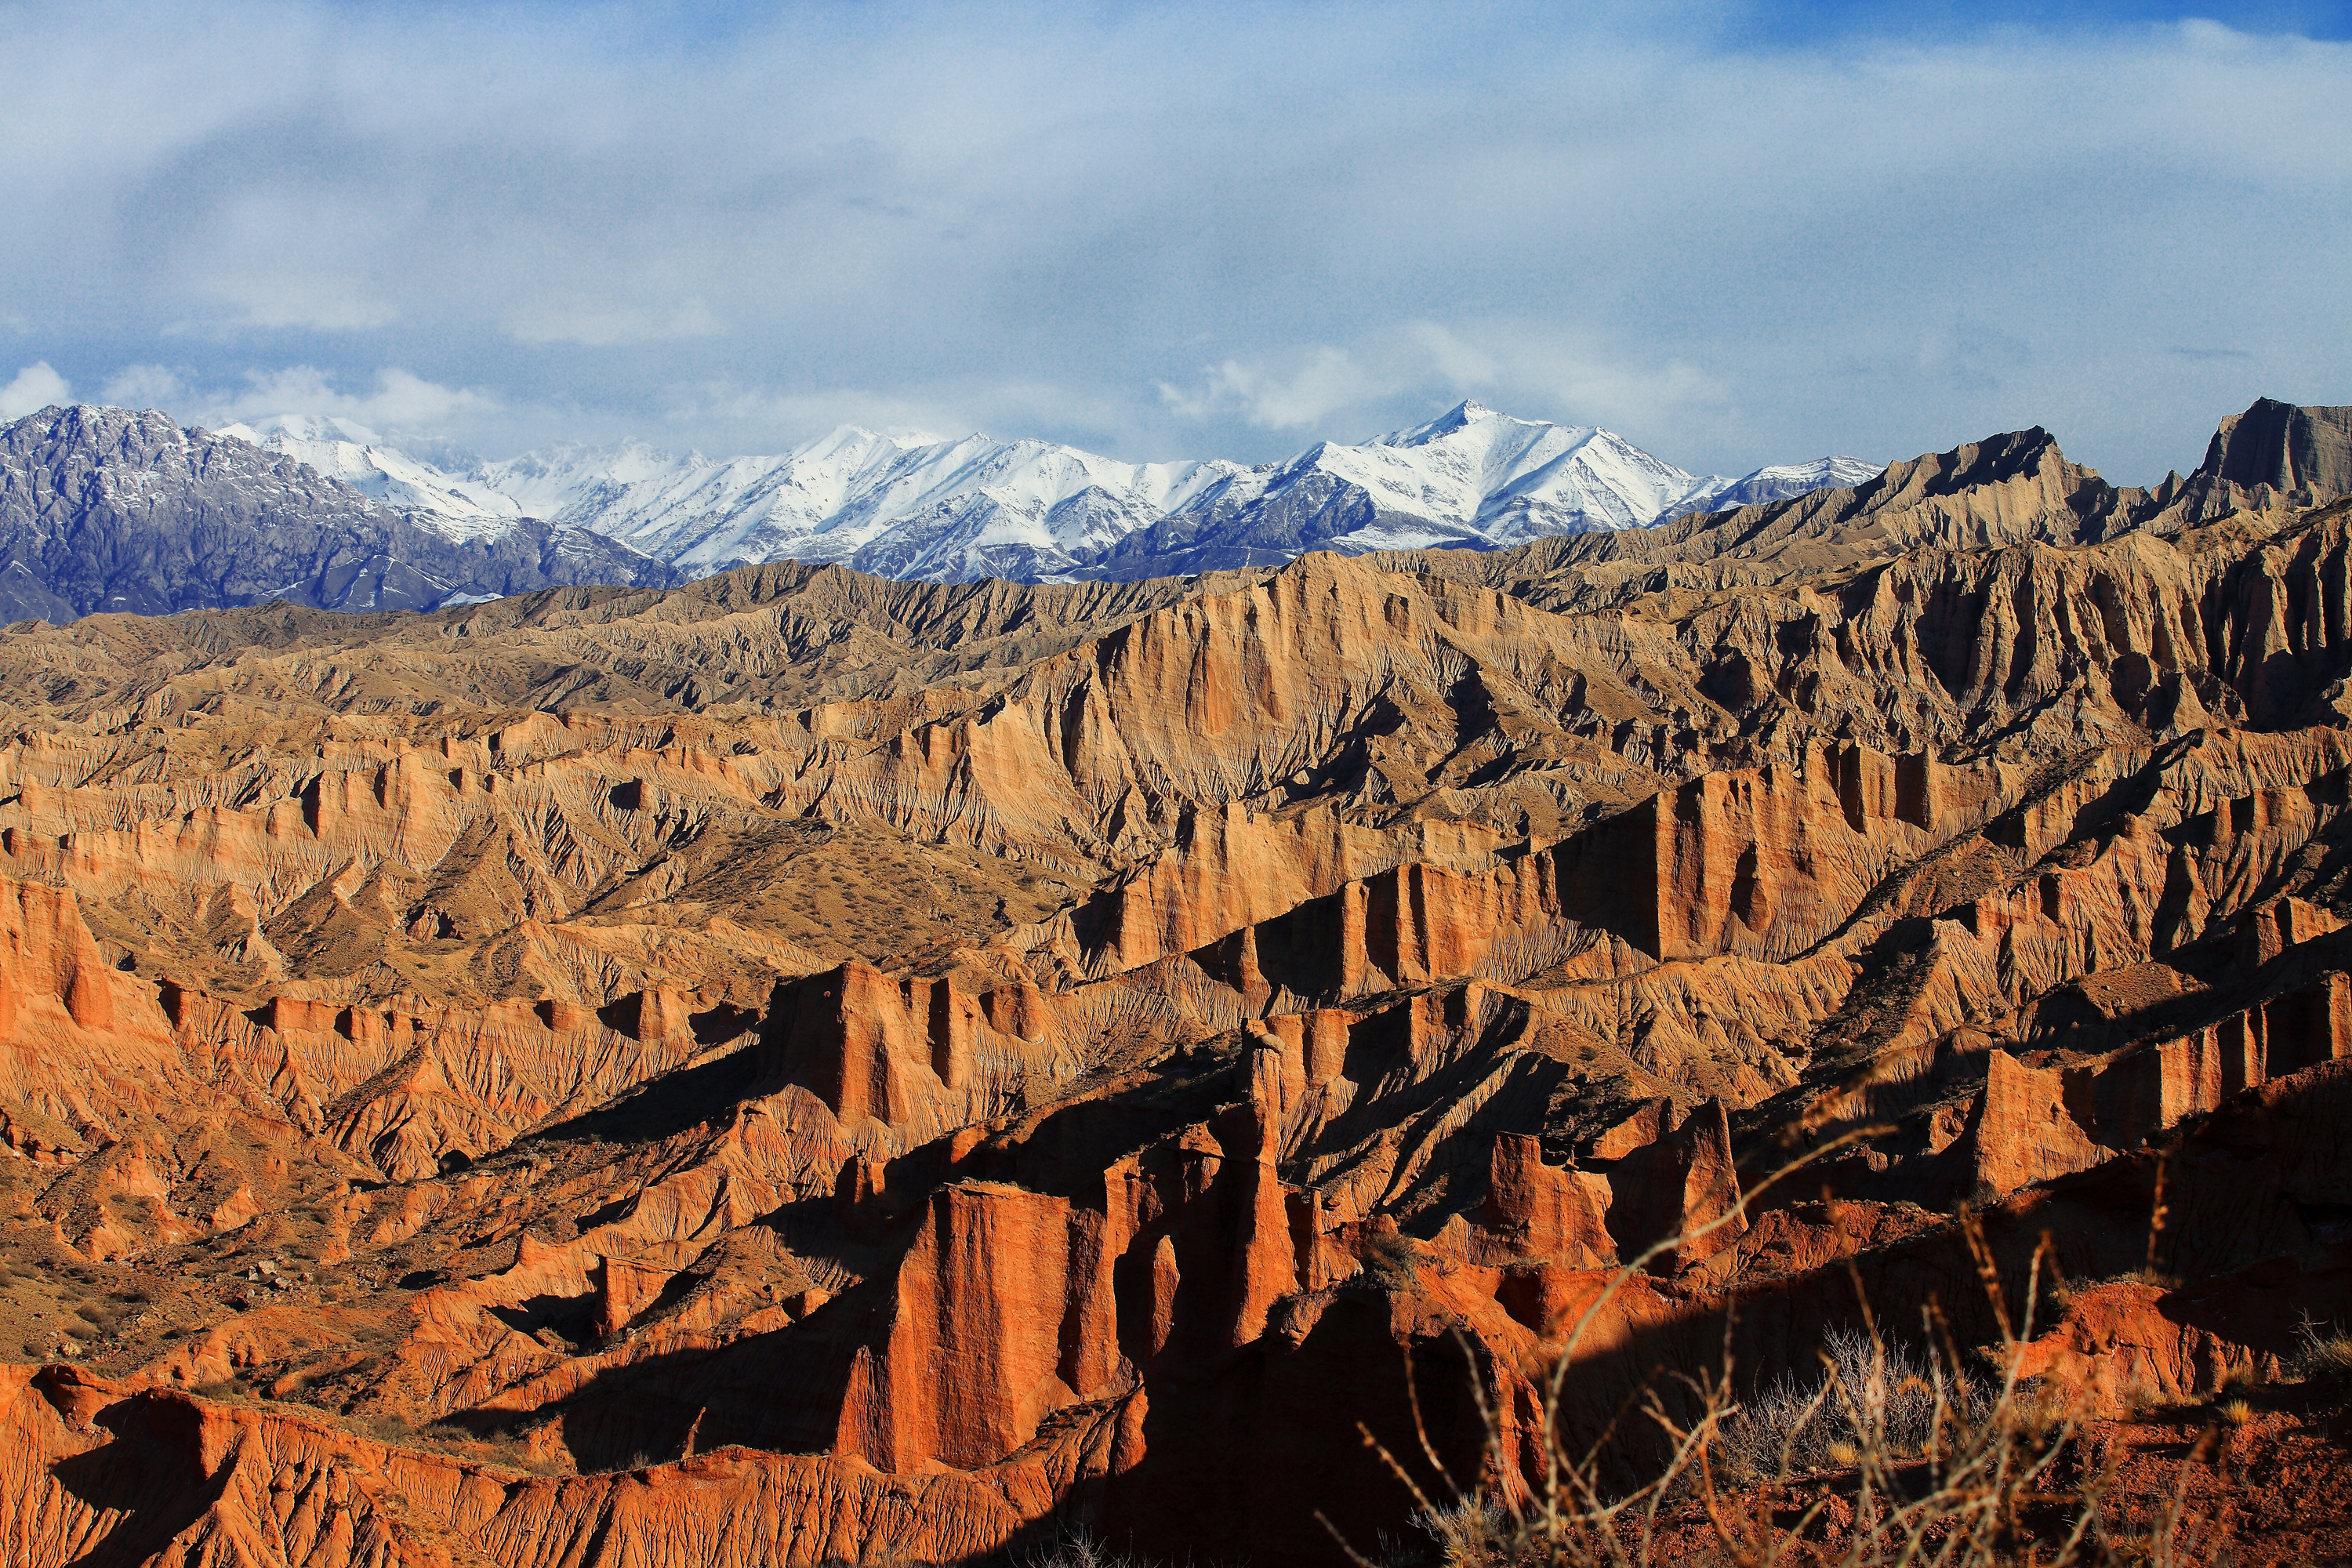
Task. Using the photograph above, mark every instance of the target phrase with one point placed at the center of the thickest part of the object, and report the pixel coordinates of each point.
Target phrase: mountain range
(974, 506)
(107, 509)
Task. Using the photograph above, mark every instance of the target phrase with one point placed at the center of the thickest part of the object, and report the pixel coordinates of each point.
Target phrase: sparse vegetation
(1893, 1456)
(2325, 1354)
(1389, 1259)
(1078, 1548)
(1870, 1392)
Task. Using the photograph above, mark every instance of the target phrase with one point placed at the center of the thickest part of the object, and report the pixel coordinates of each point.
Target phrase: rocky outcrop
(2285, 448)
(2018, 1131)
(921, 1067)
(919, 1057)
(1536, 1212)
(110, 1464)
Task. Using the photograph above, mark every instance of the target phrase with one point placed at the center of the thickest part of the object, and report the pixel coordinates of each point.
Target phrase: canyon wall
(804, 1069)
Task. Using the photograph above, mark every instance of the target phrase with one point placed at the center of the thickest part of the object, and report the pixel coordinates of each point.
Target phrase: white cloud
(763, 416)
(325, 304)
(1461, 364)
(1542, 368)
(37, 386)
(397, 400)
(1405, 375)
(1322, 382)
(145, 386)
(750, 417)
(1593, 386)
(1196, 230)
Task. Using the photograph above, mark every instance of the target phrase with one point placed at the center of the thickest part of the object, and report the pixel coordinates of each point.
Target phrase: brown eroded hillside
(906, 1068)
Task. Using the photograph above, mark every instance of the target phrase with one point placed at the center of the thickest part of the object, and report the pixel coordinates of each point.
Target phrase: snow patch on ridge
(973, 506)
(342, 449)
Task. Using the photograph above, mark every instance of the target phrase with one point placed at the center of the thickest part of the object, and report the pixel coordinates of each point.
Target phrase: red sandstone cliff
(886, 1070)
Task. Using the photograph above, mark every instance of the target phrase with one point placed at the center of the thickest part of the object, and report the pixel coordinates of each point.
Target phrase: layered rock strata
(802, 1069)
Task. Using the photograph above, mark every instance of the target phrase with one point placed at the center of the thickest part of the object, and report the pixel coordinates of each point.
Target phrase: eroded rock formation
(803, 1067)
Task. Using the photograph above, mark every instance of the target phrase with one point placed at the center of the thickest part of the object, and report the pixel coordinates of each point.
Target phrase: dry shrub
(1077, 1550)
(1389, 1259)
(2324, 1356)
(1871, 1395)
(1894, 1455)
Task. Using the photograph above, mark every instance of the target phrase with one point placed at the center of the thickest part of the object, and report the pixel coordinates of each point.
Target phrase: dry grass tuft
(1870, 1394)
(1075, 1550)
(2324, 1355)
(1932, 1457)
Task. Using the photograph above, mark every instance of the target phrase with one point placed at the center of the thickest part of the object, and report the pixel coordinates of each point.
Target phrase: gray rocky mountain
(107, 510)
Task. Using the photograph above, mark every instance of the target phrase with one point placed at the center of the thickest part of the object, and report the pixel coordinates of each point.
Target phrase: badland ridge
(805, 1066)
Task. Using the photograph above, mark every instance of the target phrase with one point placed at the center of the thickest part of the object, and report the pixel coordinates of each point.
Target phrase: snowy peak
(312, 427)
(1774, 482)
(1460, 417)
(965, 508)
(975, 506)
(345, 450)
(1478, 477)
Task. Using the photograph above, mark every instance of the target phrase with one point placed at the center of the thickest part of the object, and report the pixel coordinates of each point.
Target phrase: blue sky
(1737, 234)
(1948, 19)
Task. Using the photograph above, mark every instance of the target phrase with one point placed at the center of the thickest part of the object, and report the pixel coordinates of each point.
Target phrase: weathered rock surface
(104, 510)
(803, 1067)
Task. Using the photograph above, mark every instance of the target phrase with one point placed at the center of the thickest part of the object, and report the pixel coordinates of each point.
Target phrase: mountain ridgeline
(102, 510)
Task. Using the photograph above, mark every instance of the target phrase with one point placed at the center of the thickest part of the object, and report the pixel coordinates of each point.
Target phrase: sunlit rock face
(803, 1066)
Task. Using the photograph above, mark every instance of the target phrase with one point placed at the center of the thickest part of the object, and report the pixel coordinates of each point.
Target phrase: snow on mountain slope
(1777, 482)
(1521, 478)
(105, 509)
(342, 449)
(899, 505)
(1473, 477)
(916, 506)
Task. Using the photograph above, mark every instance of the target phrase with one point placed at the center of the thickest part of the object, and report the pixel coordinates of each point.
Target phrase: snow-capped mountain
(903, 506)
(342, 449)
(1777, 482)
(898, 506)
(105, 509)
(1472, 478)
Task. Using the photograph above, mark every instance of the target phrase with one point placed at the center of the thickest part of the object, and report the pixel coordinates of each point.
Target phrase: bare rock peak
(2285, 448)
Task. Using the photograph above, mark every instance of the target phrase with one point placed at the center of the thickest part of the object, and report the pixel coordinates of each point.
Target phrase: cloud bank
(36, 386)
(1223, 233)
